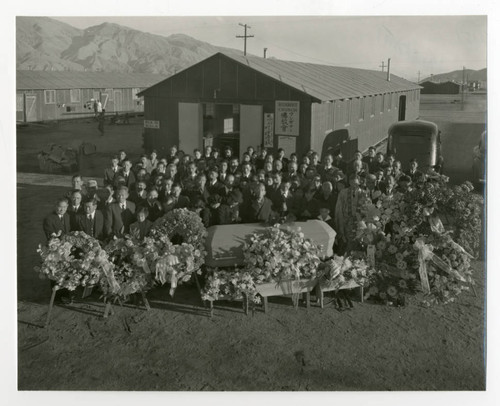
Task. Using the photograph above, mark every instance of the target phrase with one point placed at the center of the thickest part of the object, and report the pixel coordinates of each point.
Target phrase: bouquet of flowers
(76, 259)
(340, 270)
(229, 284)
(177, 264)
(278, 254)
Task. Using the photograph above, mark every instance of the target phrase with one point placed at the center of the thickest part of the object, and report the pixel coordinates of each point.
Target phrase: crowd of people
(226, 189)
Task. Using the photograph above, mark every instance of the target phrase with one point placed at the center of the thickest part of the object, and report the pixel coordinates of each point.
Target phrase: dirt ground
(176, 346)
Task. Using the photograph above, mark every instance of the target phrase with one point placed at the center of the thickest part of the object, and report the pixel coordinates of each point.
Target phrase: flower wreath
(131, 272)
(182, 235)
(181, 226)
(76, 259)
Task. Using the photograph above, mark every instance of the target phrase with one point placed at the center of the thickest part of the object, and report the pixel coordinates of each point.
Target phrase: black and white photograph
(263, 201)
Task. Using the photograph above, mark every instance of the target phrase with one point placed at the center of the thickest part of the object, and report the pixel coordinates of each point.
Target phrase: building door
(251, 122)
(190, 127)
(31, 108)
(117, 96)
(402, 108)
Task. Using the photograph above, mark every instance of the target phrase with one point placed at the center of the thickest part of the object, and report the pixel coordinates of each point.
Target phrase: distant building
(228, 99)
(440, 88)
(59, 95)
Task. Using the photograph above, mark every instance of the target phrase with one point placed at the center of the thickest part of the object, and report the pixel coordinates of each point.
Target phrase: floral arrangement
(181, 226)
(131, 273)
(229, 284)
(465, 206)
(449, 271)
(340, 270)
(395, 223)
(180, 236)
(277, 254)
(74, 260)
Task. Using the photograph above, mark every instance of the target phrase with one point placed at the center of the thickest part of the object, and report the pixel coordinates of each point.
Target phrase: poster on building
(287, 118)
(289, 144)
(152, 124)
(268, 130)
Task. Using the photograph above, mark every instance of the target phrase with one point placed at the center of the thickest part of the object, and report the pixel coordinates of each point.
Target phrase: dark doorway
(402, 108)
(334, 141)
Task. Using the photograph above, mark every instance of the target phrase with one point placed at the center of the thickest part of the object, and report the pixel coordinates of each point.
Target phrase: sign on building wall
(152, 124)
(268, 130)
(287, 118)
(289, 144)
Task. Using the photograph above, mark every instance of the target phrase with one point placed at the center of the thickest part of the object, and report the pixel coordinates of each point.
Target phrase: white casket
(225, 243)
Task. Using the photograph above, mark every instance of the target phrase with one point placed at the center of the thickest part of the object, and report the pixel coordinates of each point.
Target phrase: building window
(361, 108)
(228, 125)
(74, 95)
(50, 96)
(372, 107)
(348, 112)
(210, 110)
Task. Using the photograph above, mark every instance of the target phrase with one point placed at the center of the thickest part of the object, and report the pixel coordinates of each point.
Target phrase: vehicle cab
(416, 139)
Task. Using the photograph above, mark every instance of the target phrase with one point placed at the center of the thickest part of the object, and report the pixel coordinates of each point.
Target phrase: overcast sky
(429, 44)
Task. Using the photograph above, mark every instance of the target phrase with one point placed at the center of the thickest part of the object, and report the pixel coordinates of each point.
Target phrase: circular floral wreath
(76, 259)
(185, 230)
(132, 268)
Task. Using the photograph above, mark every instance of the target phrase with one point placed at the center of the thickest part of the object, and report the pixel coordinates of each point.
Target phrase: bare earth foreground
(176, 346)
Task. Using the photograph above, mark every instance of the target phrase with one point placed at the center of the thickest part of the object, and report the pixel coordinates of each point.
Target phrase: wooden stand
(295, 288)
(334, 286)
(109, 307)
(51, 305)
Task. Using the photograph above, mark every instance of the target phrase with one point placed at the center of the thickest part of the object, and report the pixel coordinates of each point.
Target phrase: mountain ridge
(43, 43)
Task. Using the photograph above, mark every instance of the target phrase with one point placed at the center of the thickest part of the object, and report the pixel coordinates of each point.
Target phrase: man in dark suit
(119, 215)
(139, 194)
(258, 209)
(153, 205)
(92, 221)
(57, 223)
(75, 209)
(176, 200)
(370, 158)
(214, 187)
(413, 172)
(127, 174)
(110, 173)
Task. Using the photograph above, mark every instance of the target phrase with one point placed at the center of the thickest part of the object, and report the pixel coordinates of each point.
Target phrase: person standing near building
(100, 126)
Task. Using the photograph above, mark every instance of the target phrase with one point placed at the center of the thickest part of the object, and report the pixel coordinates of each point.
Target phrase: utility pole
(245, 37)
(463, 86)
(389, 69)
(418, 81)
(265, 50)
(382, 66)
